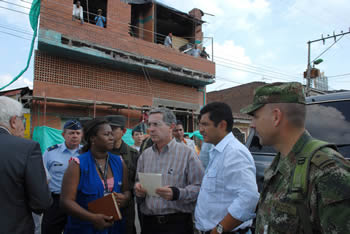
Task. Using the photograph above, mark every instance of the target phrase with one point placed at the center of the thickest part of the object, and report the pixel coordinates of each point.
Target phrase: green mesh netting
(33, 18)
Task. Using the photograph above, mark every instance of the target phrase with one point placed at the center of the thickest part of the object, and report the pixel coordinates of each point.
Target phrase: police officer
(130, 156)
(306, 188)
(56, 159)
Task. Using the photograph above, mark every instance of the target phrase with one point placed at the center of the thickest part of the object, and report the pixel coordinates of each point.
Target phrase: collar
(63, 148)
(4, 130)
(123, 148)
(224, 141)
(166, 147)
(286, 164)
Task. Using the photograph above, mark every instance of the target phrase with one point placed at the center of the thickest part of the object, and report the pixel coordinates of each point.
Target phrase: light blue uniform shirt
(229, 186)
(56, 161)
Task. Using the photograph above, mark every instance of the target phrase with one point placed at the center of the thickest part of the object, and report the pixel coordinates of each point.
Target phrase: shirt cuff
(176, 193)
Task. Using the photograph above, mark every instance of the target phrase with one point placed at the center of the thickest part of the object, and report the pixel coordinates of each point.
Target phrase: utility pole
(310, 76)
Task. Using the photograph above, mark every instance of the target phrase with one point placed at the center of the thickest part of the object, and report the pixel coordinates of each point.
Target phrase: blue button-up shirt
(100, 20)
(228, 186)
(56, 161)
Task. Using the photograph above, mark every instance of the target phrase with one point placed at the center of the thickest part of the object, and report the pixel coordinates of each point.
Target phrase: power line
(327, 48)
(14, 35)
(253, 72)
(12, 29)
(256, 68)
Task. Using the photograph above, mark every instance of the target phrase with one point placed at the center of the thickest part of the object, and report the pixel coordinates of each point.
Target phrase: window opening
(94, 11)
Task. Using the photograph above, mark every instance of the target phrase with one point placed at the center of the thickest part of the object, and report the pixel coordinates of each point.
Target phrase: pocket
(284, 218)
(209, 182)
(57, 168)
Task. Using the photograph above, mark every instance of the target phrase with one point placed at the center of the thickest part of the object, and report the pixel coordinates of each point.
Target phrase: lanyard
(104, 174)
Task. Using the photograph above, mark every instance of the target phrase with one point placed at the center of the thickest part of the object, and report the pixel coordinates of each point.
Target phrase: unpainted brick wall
(63, 78)
(57, 16)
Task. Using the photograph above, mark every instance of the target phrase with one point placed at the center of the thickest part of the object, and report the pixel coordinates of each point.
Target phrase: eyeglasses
(22, 118)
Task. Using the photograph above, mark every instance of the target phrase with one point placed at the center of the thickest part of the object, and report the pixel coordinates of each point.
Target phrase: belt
(239, 231)
(163, 219)
(55, 195)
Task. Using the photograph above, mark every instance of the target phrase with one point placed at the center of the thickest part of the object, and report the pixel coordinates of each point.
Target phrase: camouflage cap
(278, 92)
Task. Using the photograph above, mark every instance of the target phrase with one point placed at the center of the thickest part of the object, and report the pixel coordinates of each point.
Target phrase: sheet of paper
(150, 182)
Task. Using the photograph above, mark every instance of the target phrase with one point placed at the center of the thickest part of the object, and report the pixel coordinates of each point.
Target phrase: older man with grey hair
(23, 179)
(171, 210)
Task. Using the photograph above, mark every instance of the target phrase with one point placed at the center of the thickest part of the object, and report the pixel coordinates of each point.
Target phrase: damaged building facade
(84, 70)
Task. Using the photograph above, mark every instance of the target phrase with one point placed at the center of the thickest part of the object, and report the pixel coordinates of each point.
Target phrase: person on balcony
(204, 54)
(99, 19)
(78, 12)
(168, 40)
(195, 51)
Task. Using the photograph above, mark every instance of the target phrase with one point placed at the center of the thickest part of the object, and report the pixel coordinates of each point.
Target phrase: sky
(253, 40)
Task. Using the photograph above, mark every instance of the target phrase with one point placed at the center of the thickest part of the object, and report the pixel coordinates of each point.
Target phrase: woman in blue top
(92, 175)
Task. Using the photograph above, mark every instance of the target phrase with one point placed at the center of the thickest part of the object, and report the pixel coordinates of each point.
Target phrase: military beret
(137, 129)
(72, 125)
(278, 92)
(116, 120)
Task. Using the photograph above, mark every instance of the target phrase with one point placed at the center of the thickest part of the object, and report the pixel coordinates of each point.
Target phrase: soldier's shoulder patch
(323, 157)
(52, 147)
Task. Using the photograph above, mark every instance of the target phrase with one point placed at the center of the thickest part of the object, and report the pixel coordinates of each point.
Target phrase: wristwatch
(219, 228)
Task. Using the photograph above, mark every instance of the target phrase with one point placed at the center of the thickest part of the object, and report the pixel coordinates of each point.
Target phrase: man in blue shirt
(99, 19)
(229, 193)
(56, 159)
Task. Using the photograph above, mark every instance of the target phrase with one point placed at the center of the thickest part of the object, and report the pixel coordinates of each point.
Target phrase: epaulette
(52, 147)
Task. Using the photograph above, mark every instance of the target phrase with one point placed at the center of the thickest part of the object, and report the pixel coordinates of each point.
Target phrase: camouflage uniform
(130, 157)
(327, 199)
(328, 194)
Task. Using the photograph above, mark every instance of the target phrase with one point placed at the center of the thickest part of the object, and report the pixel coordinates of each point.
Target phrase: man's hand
(165, 192)
(139, 190)
(214, 231)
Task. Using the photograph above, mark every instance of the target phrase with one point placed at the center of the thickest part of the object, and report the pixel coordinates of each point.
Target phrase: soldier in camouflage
(278, 112)
(130, 157)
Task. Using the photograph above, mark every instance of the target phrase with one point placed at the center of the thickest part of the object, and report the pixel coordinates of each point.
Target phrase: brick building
(83, 70)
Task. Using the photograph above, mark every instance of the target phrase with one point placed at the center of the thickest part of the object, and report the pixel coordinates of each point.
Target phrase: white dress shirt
(78, 11)
(229, 186)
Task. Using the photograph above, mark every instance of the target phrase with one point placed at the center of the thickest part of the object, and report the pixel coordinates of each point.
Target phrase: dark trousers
(179, 223)
(54, 218)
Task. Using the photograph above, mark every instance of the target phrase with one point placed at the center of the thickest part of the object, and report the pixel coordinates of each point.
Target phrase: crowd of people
(208, 191)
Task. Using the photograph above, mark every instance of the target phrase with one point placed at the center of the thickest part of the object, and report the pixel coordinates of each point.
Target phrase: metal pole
(44, 108)
(212, 49)
(87, 10)
(308, 73)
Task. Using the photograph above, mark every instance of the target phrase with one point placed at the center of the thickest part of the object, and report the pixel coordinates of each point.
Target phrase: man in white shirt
(78, 12)
(229, 193)
(168, 40)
